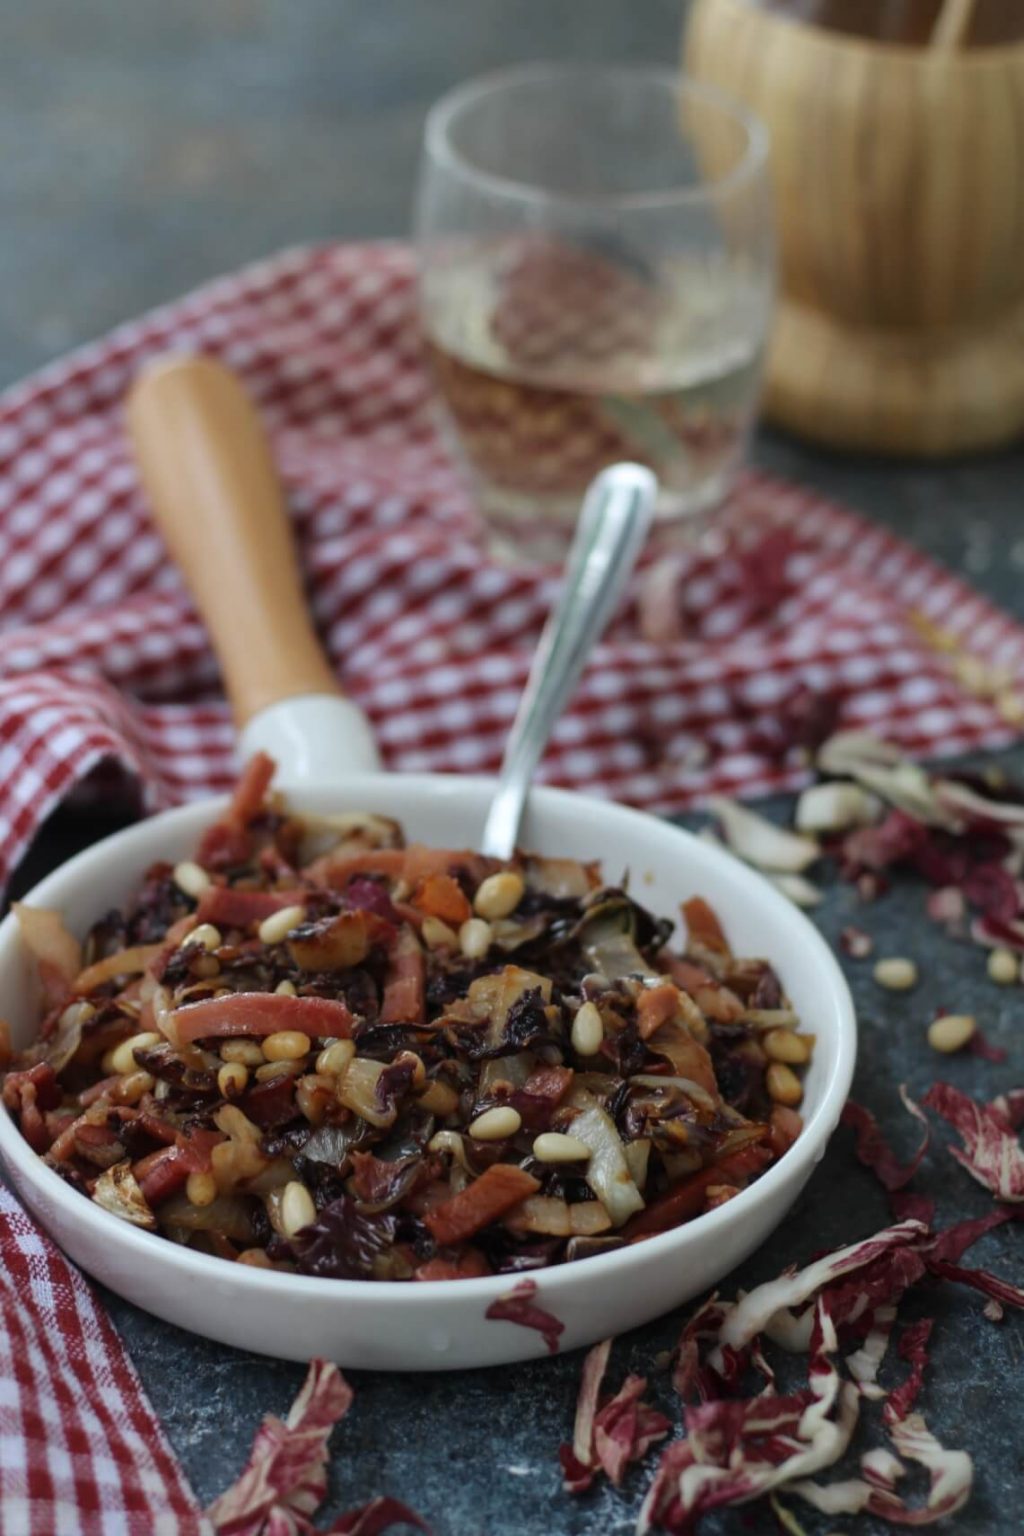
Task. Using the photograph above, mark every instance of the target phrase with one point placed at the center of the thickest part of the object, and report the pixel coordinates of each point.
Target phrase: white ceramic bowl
(441, 1325)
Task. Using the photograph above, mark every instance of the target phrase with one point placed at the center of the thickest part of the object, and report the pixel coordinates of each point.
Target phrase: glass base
(539, 529)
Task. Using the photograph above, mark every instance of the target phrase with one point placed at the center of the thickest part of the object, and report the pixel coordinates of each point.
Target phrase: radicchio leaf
(379, 1515)
(287, 1468)
(979, 1045)
(913, 1346)
(519, 1306)
(761, 1307)
(874, 1151)
(285, 1479)
(991, 1152)
(981, 1280)
(344, 1242)
(951, 1474)
(608, 1438)
(1011, 1106)
(738, 1450)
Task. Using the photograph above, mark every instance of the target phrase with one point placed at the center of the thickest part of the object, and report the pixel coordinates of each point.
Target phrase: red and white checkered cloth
(81, 1450)
(102, 659)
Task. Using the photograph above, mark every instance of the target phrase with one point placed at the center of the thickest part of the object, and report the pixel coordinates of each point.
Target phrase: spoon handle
(610, 534)
(206, 465)
(205, 462)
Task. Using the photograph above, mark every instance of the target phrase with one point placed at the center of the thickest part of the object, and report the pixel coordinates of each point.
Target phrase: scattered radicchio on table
(875, 811)
(520, 1306)
(745, 1439)
(285, 1479)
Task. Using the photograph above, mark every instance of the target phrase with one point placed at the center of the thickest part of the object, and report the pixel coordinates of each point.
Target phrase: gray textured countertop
(149, 147)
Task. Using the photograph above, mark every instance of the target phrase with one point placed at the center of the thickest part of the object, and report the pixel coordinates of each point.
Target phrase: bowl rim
(794, 1165)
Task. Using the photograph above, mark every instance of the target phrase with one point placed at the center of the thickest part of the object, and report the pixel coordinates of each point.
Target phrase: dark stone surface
(149, 147)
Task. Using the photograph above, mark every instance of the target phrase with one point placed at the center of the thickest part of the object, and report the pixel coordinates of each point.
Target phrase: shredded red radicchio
(991, 1152)
(840, 1312)
(519, 1306)
(874, 1151)
(285, 1478)
(608, 1436)
(979, 1045)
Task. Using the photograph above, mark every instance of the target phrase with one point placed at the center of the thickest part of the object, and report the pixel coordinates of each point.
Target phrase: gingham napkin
(81, 1450)
(802, 609)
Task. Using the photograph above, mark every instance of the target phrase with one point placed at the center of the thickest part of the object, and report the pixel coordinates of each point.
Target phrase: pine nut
(286, 1045)
(279, 925)
(587, 1030)
(230, 1119)
(552, 1147)
(286, 988)
(205, 935)
(1003, 967)
(272, 1069)
(951, 1032)
(499, 895)
(200, 1189)
(191, 878)
(495, 1124)
(450, 1142)
(297, 1208)
(206, 967)
(439, 1099)
(333, 1059)
(232, 1079)
(475, 938)
(313, 1094)
(255, 1258)
(783, 1084)
(246, 1051)
(784, 1045)
(437, 934)
(896, 975)
(134, 1086)
(121, 1058)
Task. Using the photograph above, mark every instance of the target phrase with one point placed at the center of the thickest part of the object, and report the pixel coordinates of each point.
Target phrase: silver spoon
(610, 534)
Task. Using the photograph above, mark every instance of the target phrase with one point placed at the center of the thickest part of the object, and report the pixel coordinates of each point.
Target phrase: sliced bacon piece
(703, 927)
(655, 1006)
(28, 1094)
(404, 1001)
(686, 1199)
(261, 1013)
(488, 1198)
(228, 908)
(335, 870)
(469, 1265)
(228, 842)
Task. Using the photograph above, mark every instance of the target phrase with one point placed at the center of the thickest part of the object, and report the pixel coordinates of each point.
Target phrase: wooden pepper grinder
(899, 179)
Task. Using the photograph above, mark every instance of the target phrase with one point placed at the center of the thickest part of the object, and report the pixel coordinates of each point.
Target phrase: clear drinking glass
(597, 273)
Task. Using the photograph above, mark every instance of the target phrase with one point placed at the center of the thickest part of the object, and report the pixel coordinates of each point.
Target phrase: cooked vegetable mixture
(320, 1049)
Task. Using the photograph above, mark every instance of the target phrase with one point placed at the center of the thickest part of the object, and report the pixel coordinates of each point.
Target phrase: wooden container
(899, 177)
